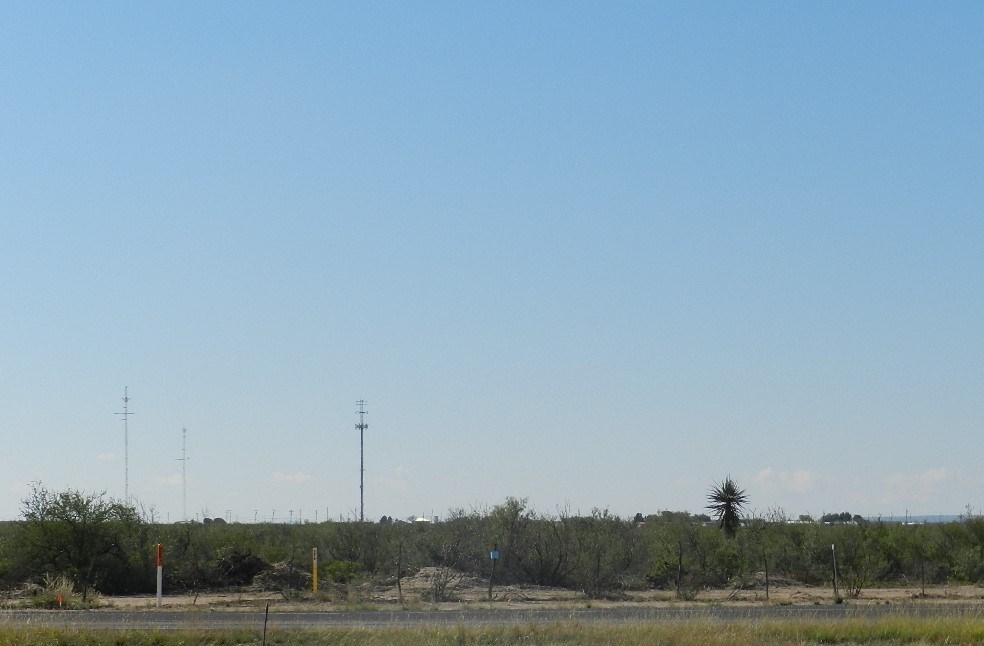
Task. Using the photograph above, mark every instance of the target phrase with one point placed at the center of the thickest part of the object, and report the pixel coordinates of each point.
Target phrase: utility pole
(126, 446)
(362, 426)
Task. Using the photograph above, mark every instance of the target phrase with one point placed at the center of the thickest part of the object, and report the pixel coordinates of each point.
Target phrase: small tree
(727, 502)
(679, 554)
(450, 548)
(602, 552)
(508, 529)
(81, 535)
(550, 552)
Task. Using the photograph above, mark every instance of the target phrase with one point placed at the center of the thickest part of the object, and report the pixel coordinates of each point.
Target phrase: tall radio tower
(184, 473)
(126, 446)
(361, 427)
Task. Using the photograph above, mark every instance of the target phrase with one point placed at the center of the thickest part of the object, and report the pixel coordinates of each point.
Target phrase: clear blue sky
(593, 254)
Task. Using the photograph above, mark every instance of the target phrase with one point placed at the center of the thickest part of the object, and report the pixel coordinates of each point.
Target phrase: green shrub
(340, 571)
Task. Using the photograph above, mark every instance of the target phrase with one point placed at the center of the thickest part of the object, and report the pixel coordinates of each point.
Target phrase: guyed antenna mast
(184, 473)
(126, 446)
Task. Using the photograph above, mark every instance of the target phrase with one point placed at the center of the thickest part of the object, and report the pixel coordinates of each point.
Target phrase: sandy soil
(468, 591)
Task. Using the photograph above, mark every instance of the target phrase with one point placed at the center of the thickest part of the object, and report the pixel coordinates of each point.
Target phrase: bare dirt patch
(463, 591)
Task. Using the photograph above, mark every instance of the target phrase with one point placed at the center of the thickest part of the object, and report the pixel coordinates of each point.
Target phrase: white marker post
(160, 573)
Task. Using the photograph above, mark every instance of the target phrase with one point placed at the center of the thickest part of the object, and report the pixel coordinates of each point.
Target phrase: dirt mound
(282, 576)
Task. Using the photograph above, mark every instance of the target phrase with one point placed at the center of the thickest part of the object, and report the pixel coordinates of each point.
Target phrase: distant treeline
(107, 546)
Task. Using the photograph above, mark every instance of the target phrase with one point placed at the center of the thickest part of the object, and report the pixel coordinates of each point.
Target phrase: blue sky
(592, 254)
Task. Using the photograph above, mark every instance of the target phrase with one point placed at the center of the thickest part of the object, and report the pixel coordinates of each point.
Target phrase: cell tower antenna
(184, 473)
(361, 427)
(126, 445)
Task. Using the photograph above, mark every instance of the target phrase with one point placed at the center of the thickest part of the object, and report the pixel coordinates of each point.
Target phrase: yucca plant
(727, 501)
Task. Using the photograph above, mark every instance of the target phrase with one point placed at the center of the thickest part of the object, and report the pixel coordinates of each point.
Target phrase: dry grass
(899, 630)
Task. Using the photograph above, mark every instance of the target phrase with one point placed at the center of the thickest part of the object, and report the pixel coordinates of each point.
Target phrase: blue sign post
(494, 555)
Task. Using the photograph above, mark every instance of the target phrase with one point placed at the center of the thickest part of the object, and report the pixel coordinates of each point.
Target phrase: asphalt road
(236, 619)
